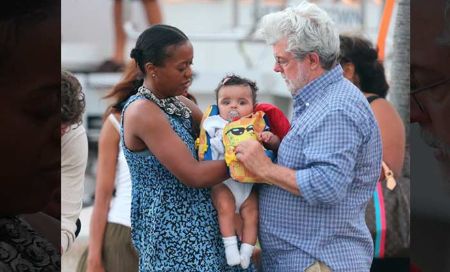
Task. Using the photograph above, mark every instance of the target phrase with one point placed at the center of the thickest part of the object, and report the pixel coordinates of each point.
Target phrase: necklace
(171, 105)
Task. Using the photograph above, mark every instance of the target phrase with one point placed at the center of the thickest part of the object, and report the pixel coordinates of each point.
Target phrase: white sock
(246, 254)
(231, 250)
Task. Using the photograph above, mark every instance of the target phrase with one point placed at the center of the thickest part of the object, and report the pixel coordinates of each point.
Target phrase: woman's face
(30, 140)
(174, 77)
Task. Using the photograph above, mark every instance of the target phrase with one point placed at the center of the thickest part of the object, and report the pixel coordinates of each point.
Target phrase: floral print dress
(174, 227)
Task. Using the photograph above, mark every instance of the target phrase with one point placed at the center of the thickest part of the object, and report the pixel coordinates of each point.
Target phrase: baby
(236, 98)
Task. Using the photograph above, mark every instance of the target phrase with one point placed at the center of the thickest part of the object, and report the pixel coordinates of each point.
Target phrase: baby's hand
(265, 136)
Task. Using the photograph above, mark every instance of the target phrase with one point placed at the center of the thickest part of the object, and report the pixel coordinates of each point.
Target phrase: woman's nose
(189, 73)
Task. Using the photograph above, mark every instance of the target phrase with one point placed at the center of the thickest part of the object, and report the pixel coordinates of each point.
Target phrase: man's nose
(277, 68)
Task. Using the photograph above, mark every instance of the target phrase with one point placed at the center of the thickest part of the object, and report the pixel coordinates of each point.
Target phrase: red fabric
(279, 124)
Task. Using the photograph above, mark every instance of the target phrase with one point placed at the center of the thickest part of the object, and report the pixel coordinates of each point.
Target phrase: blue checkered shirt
(334, 145)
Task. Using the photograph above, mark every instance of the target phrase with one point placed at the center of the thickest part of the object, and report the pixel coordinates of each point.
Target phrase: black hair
(153, 43)
(233, 80)
(369, 69)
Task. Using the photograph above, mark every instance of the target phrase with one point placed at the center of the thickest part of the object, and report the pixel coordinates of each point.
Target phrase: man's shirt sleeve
(331, 148)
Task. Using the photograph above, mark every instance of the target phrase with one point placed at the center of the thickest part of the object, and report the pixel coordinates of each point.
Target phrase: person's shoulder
(76, 131)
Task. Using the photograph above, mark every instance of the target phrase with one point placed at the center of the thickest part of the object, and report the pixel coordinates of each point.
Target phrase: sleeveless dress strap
(372, 98)
(114, 121)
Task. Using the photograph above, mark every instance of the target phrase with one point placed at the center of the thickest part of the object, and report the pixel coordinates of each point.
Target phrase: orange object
(384, 27)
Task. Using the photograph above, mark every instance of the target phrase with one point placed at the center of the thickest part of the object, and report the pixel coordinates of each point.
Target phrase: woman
(361, 66)
(174, 224)
(360, 63)
(110, 246)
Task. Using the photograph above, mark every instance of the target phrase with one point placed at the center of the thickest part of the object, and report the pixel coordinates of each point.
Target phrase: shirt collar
(317, 87)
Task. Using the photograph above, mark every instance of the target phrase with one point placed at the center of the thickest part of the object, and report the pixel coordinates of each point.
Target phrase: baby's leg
(224, 203)
(249, 214)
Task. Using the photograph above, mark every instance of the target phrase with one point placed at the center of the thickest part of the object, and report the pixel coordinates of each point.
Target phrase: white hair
(307, 28)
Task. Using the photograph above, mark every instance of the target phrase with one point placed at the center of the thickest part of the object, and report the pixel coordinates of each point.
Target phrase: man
(312, 214)
(430, 109)
(74, 152)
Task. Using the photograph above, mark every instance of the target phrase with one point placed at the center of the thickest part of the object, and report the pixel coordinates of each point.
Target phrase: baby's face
(235, 101)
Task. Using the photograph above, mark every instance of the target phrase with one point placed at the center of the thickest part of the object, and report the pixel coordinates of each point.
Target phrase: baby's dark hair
(233, 80)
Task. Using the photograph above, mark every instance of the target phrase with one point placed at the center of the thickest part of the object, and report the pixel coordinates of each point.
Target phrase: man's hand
(251, 154)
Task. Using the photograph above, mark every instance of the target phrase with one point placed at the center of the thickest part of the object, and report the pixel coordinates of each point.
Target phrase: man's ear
(314, 59)
(349, 70)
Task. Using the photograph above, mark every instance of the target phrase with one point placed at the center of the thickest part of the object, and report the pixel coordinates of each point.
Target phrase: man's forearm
(282, 177)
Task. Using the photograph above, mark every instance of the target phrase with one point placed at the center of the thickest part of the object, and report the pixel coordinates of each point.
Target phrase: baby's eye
(242, 103)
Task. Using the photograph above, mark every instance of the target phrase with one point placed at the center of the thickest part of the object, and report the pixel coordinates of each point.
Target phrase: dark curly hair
(369, 69)
(233, 80)
(72, 99)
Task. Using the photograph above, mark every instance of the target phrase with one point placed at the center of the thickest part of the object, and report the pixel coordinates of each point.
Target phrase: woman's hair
(307, 29)
(152, 45)
(233, 80)
(72, 99)
(131, 80)
(369, 69)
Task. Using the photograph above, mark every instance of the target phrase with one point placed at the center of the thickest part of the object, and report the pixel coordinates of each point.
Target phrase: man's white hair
(307, 29)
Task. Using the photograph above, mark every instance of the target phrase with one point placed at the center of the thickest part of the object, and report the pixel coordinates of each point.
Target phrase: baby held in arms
(234, 122)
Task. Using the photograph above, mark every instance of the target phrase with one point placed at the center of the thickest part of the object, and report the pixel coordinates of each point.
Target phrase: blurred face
(296, 73)
(430, 73)
(235, 101)
(30, 138)
(174, 77)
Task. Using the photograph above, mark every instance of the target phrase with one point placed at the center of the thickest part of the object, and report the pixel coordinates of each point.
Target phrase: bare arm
(392, 134)
(157, 135)
(108, 149)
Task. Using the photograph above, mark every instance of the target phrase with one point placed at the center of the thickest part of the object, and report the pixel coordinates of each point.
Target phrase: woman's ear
(349, 70)
(150, 69)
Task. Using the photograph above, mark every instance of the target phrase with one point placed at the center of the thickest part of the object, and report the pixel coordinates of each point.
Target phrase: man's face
(30, 142)
(296, 73)
(430, 63)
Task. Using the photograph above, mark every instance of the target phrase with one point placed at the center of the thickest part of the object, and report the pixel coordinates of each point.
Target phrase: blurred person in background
(110, 246)
(430, 109)
(359, 60)
(74, 154)
(117, 62)
(29, 142)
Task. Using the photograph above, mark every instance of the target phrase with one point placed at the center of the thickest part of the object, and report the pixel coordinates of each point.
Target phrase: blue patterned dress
(174, 227)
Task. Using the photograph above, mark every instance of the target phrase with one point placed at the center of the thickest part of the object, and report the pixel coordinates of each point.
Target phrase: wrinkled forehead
(430, 40)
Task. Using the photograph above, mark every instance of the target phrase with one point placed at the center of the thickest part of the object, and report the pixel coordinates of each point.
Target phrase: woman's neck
(151, 86)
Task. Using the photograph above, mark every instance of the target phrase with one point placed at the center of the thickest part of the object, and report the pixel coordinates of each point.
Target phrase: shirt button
(307, 104)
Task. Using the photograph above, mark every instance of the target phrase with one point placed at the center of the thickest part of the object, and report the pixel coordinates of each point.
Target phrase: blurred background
(223, 36)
